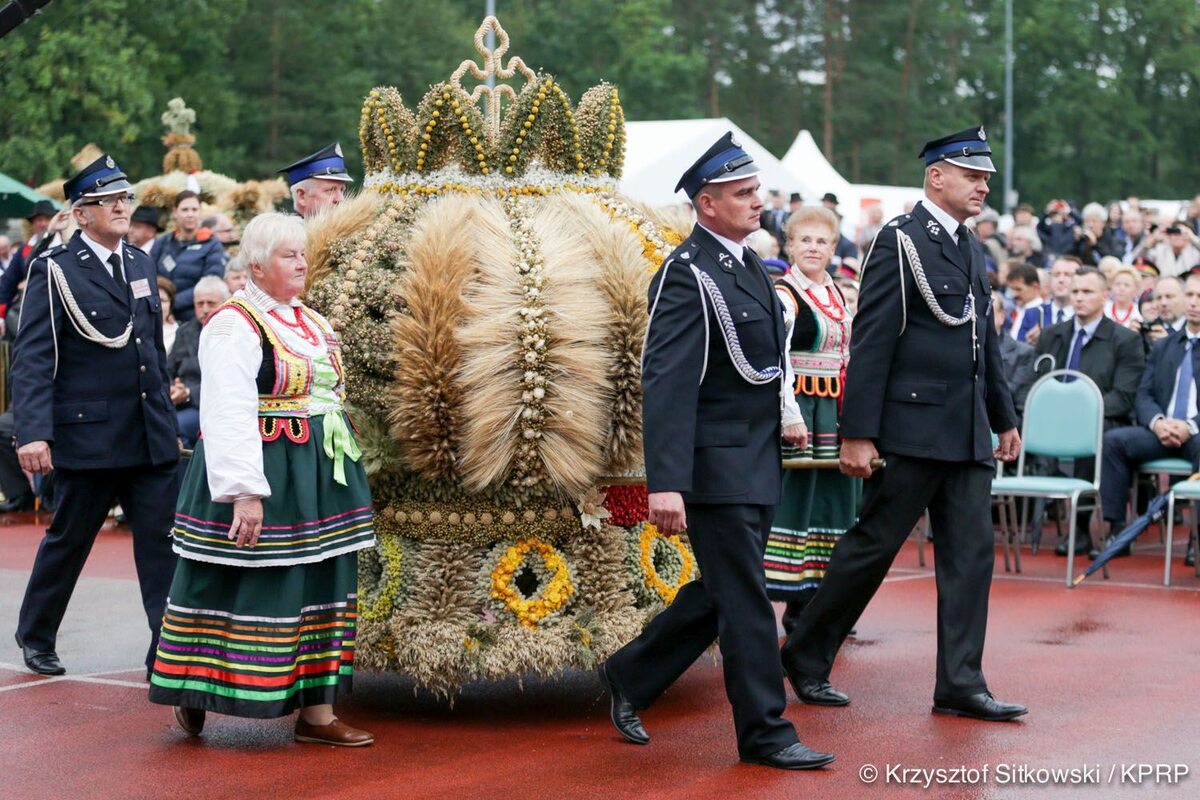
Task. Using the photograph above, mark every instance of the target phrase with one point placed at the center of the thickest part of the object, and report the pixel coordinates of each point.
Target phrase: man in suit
(1030, 313)
(1168, 423)
(924, 389)
(713, 371)
(1111, 355)
(90, 398)
(773, 220)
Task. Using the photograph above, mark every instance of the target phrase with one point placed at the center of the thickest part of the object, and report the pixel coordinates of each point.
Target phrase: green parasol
(17, 199)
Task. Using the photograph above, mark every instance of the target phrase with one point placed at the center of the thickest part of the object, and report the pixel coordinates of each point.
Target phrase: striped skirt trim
(315, 540)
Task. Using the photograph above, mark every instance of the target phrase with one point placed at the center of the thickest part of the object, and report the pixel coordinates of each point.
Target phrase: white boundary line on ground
(88, 677)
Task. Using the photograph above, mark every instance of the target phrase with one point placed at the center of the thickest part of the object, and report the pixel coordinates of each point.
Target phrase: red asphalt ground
(1108, 670)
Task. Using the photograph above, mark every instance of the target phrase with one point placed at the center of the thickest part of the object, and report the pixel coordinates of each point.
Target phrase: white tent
(658, 152)
(804, 158)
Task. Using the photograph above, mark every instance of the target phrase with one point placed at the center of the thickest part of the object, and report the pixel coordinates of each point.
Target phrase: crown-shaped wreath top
(450, 137)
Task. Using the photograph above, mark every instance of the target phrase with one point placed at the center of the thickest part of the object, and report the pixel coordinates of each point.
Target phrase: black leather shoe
(816, 692)
(980, 706)
(794, 756)
(23, 502)
(190, 719)
(43, 663)
(624, 715)
(1083, 546)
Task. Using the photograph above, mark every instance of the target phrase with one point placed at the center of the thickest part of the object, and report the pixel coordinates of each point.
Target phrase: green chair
(1188, 491)
(1159, 468)
(1063, 419)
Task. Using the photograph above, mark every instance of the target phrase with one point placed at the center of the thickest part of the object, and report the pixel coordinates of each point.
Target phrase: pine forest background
(1105, 97)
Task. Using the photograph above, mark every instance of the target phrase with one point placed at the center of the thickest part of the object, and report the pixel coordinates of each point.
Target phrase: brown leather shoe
(335, 733)
(190, 719)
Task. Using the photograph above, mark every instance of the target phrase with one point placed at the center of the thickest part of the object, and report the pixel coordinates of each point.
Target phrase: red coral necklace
(299, 327)
(833, 309)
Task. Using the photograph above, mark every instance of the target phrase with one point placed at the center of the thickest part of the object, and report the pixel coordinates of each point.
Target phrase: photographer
(1057, 228)
(1093, 241)
(1174, 248)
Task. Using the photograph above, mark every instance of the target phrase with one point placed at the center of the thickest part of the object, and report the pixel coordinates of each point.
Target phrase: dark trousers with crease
(958, 498)
(147, 496)
(729, 601)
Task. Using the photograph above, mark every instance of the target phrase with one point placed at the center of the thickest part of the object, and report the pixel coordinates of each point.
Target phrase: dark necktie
(118, 275)
(964, 245)
(1076, 352)
(1183, 391)
(1058, 316)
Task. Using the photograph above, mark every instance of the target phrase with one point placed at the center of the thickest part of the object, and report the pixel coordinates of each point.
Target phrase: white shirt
(1191, 401)
(1015, 328)
(1068, 312)
(733, 247)
(230, 357)
(942, 216)
(103, 253)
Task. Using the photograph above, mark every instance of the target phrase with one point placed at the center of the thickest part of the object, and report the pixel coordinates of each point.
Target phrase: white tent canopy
(658, 152)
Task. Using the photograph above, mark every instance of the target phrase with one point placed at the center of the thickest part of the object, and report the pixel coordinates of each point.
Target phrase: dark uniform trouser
(147, 496)
(957, 495)
(729, 601)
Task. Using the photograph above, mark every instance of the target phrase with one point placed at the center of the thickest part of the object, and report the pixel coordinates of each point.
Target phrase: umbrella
(17, 199)
(1156, 509)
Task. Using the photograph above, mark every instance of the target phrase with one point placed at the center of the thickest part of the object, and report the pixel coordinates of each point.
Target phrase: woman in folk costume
(817, 505)
(261, 615)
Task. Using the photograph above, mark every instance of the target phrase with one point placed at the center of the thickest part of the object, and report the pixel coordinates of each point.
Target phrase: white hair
(760, 242)
(1029, 233)
(266, 232)
(211, 283)
(1095, 211)
(237, 265)
(308, 185)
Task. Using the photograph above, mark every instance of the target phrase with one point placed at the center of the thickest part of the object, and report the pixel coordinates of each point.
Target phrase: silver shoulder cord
(905, 246)
(733, 346)
(79, 321)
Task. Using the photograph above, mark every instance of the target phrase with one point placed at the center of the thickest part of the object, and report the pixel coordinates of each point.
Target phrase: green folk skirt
(816, 508)
(262, 631)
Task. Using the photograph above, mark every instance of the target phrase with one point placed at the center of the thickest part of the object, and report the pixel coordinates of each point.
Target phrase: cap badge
(337, 149)
(108, 162)
(982, 135)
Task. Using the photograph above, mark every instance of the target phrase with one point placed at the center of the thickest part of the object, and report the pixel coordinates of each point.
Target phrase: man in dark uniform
(90, 394)
(924, 389)
(711, 372)
(318, 181)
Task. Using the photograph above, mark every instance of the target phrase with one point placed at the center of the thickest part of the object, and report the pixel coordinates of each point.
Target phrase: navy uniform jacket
(106, 408)
(716, 441)
(922, 393)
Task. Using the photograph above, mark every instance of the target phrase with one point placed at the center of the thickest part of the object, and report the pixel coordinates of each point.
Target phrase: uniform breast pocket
(95, 311)
(745, 313)
(951, 292)
(74, 413)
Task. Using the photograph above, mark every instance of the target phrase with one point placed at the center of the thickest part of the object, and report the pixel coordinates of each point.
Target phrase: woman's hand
(247, 521)
(796, 434)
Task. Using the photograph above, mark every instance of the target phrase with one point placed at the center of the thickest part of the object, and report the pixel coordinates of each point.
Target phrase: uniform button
(745, 314)
(93, 313)
(143, 395)
(142, 368)
(79, 415)
(138, 341)
(914, 395)
(945, 286)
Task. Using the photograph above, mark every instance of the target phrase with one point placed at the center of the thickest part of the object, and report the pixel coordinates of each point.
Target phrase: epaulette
(900, 220)
(685, 252)
(57, 250)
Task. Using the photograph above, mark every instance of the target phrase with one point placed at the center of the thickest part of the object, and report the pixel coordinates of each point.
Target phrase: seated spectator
(1092, 239)
(995, 251)
(1122, 308)
(1133, 228)
(1110, 355)
(1029, 312)
(1017, 361)
(773, 220)
(1024, 217)
(1024, 245)
(183, 360)
(144, 225)
(236, 274)
(1113, 225)
(166, 299)
(1168, 315)
(187, 254)
(1168, 424)
(1148, 271)
(222, 227)
(1174, 249)
(1057, 228)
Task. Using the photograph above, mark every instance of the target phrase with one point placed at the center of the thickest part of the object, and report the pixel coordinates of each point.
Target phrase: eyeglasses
(111, 200)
